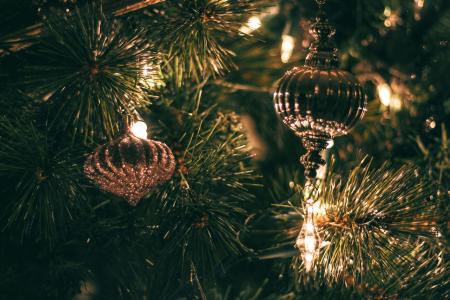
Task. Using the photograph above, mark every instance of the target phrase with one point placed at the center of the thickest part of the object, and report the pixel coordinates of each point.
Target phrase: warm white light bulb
(287, 47)
(385, 94)
(419, 3)
(253, 24)
(310, 244)
(308, 240)
(308, 259)
(309, 227)
(139, 129)
(396, 103)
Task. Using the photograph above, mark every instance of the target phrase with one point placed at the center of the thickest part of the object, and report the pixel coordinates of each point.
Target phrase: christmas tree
(141, 156)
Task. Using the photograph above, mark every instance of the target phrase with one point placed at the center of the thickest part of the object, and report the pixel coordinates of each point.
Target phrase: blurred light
(305, 43)
(431, 123)
(253, 24)
(384, 93)
(287, 46)
(418, 5)
(150, 76)
(392, 17)
(387, 98)
(396, 102)
(139, 129)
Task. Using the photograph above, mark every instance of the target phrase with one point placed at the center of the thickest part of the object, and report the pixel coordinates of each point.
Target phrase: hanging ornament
(131, 165)
(317, 100)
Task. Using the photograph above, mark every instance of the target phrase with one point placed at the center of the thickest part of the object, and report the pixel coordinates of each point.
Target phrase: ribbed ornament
(317, 100)
(130, 167)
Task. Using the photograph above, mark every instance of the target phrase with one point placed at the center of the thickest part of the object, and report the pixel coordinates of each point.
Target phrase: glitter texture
(130, 167)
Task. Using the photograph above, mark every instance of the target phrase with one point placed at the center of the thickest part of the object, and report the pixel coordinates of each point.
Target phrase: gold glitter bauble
(130, 167)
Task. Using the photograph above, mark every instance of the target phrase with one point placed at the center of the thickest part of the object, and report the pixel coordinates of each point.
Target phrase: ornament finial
(312, 160)
(322, 52)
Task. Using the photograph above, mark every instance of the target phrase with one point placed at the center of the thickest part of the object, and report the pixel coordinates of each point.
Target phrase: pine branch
(192, 31)
(126, 7)
(26, 37)
(41, 191)
(91, 71)
(200, 212)
(376, 223)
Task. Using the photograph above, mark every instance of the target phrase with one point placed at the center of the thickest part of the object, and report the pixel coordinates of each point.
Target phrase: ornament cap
(322, 52)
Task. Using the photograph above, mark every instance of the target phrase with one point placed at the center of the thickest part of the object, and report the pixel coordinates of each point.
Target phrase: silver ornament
(318, 101)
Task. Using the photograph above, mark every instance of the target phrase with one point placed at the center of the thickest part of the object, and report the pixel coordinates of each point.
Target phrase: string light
(418, 5)
(430, 123)
(396, 103)
(139, 129)
(308, 240)
(287, 47)
(253, 24)
(384, 93)
(387, 98)
(392, 18)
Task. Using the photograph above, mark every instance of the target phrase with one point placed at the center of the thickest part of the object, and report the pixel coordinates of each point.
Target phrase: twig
(196, 281)
(140, 4)
(242, 87)
(23, 38)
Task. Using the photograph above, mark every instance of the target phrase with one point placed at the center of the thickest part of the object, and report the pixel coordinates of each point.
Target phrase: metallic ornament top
(317, 100)
(130, 166)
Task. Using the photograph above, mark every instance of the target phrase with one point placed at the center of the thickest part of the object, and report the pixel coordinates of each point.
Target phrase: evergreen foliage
(90, 71)
(223, 227)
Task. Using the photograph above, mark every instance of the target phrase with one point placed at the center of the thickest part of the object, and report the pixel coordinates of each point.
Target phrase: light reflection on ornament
(287, 47)
(308, 241)
(252, 24)
(139, 129)
(330, 144)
